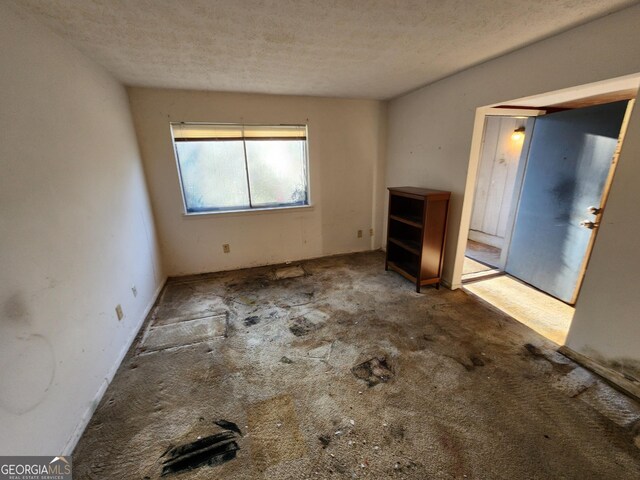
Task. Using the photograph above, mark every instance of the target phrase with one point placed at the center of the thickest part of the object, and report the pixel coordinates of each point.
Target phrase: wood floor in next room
(337, 369)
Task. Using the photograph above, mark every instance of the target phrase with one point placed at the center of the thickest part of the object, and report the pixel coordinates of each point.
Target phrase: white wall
(346, 151)
(77, 233)
(430, 133)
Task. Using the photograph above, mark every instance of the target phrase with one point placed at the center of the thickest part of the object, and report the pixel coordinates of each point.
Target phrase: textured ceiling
(343, 48)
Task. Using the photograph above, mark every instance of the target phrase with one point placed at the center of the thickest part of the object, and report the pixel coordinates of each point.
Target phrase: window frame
(250, 209)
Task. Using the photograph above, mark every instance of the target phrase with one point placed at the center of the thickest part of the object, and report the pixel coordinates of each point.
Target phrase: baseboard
(449, 285)
(615, 379)
(485, 238)
(86, 417)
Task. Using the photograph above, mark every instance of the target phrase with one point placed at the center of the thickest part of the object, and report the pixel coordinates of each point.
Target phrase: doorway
(497, 184)
(530, 236)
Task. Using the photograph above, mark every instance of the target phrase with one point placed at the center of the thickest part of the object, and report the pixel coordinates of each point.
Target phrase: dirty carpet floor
(338, 369)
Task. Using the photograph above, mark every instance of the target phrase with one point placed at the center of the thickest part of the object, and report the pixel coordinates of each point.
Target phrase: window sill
(253, 211)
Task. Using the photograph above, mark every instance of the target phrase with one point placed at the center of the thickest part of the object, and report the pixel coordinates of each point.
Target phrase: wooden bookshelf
(416, 231)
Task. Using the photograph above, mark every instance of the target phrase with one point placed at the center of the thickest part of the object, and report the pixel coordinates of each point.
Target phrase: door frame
(470, 186)
(472, 173)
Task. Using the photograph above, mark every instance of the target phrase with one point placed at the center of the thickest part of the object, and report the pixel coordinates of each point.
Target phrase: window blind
(184, 132)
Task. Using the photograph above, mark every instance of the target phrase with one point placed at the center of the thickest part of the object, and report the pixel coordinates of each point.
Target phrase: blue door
(569, 160)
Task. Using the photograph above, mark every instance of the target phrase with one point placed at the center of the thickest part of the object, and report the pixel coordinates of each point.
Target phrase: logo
(35, 468)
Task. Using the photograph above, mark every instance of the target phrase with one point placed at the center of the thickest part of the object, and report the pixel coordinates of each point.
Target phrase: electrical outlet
(371, 232)
(359, 233)
(226, 248)
(119, 312)
(134, 290)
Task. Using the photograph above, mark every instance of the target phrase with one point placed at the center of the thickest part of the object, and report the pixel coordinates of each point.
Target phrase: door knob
(589, 224)
(594, 210)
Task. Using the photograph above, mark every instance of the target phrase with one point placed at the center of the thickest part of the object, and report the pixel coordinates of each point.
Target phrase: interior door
(570, 156)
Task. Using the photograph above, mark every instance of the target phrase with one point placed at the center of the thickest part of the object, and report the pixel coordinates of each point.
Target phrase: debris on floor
(325, 440)
(293, 271)
(476, 361)
(293, 370)
(302, 326)
(212, 450)
(252, 320)
(226, 425)
(374, 371)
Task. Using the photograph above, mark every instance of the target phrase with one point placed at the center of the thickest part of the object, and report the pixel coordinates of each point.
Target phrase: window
(241, 167)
